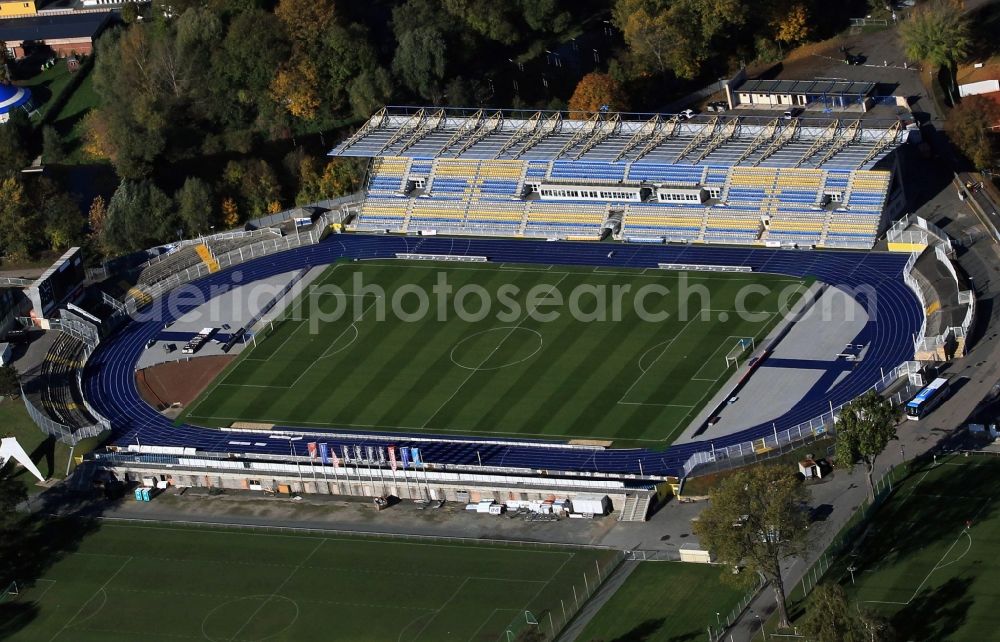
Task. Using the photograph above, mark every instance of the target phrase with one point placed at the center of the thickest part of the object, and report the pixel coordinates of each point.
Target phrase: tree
(864, 428)
(253, 183)
(829, 618)
(52, 145)
(939, 33)
(230, 213)
(14, 144)
(596, 92)
(62, 220)
(676, 35)
(305, 21)
(130, 12)
(420, 61)
(792, 26)
(969, 126)
(140, 215)
(19, 231)
(295, 88)
(194, 205)
(96, 216)
(10, 382)
(340, 176)
(755, 520)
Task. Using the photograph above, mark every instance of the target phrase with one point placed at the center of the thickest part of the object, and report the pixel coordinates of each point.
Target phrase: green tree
(755, 520)
(10, 386)
(938, 32)
(20, 235)
(830, 618)
(139, 215)
(254, 185)
(62, 221)
(864, 428)
(14, 144)
(420, 61)
(969, 126)
(52, 145)
(194, 206)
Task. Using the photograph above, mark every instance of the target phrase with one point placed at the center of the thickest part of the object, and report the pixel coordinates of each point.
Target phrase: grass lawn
(635, 381)
(667, 601)
(50, 455)
(130, 582)
(917, 563)
(46, 85)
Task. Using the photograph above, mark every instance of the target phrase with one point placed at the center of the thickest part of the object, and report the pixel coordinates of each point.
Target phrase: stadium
(464, 410)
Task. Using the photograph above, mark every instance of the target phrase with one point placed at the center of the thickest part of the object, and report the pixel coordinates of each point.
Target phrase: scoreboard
(60, 282)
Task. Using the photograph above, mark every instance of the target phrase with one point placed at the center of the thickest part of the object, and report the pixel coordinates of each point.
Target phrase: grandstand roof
(430, 132)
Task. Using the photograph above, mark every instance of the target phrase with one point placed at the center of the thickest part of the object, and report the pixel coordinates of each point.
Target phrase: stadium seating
(56, 389)
(565, 219)
(167, 265)
(666, 173)
(483, 197)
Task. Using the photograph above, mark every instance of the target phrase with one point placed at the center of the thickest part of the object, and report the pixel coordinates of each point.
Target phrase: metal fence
(229, 259)
(770, 446)
(88, 334)
(717, 629)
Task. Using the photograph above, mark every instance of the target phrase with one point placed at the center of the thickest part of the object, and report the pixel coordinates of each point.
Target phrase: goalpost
(741, 348)
(10, 593)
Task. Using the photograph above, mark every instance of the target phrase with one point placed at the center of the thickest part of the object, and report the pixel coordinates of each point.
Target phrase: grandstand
(642, 178)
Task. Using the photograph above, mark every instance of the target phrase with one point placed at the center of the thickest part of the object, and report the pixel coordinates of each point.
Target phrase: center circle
(246, 618)
(496, 348)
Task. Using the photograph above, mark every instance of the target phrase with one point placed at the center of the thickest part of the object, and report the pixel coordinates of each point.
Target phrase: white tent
(10, 449)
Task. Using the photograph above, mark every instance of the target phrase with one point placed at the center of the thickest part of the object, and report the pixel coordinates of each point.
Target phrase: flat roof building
(64, 34)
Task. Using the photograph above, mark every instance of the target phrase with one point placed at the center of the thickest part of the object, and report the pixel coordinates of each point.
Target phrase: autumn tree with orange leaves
(596, 92)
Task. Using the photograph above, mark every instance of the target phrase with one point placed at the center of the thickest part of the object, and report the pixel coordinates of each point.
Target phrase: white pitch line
(82, 606)
(472, 373)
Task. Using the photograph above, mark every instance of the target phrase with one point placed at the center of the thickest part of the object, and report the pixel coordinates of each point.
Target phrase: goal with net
(743, 346)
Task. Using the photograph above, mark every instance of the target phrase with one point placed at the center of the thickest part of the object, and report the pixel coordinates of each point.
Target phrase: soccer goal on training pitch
(743, 346)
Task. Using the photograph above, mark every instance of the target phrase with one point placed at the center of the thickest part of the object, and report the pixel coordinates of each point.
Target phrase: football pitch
(507, 351)
(664, 602)
(921, 566)
(145, 582)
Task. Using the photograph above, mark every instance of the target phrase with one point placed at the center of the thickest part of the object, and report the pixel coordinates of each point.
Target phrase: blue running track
(895, 315)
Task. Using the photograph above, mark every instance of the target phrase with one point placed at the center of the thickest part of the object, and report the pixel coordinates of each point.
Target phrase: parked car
(792, 113)
(687, 114)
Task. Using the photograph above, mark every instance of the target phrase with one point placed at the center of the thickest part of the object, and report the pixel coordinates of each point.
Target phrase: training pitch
(143, 582)
(921, 566)
(664, 602)
(606, 372)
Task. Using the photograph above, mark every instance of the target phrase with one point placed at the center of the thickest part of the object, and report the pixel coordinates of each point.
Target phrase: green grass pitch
(634, 381)
(140, 582)
(664, 602)
(917, 563)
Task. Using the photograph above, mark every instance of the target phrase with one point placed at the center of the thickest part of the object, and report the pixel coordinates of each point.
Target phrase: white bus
(927, 399)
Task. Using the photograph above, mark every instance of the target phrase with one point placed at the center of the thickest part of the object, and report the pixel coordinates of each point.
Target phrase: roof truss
(828, 136)
(846, 137)
(886, 139)
(604, 130)
(411, 125)
(549, 126)
(583, 132)
(376, 122)
(766, 134)
(470, 124)
(435, 121)
(482, 130)
(667, 129)
(786, 134)
(526, 129)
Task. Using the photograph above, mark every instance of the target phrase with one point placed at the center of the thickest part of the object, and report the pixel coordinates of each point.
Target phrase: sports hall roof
(607, 137)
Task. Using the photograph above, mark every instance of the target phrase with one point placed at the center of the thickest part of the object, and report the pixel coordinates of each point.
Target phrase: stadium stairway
(207, 257)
